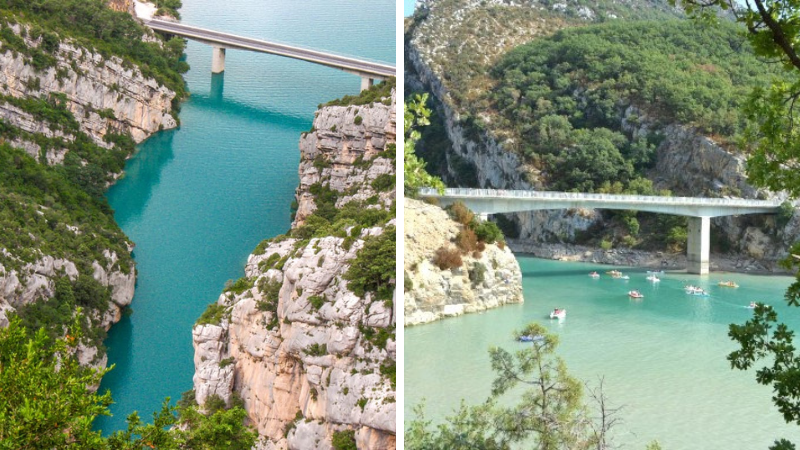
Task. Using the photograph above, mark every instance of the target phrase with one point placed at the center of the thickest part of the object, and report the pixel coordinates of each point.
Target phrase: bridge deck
(500, 201)
(358, 66)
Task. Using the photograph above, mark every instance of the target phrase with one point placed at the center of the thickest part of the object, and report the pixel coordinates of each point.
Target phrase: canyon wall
(311, 355)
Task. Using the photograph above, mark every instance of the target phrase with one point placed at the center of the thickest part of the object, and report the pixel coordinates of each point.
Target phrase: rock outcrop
(309, 357)
(104, 94)
(432, 293)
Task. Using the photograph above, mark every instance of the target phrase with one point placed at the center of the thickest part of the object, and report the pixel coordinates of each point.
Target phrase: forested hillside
(591, 97)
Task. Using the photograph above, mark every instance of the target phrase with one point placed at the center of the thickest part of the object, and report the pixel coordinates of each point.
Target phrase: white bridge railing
(599, 198)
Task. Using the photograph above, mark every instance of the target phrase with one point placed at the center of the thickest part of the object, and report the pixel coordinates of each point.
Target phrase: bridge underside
(698, 245)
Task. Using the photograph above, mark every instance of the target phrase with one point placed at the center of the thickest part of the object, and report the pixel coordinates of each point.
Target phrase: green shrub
(488, 232)
(344, 440)
(477, 274)
(240, 285)
(605, 244)
(357, 120)
(316, 350)
(384, 182)
(316, 301)
(212, 315)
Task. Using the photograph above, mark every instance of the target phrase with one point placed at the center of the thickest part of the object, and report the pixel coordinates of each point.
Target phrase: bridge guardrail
(502, 193)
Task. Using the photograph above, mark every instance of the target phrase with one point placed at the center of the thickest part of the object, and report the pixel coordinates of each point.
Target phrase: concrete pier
(698, 245)
(217, 59)
(366, 83)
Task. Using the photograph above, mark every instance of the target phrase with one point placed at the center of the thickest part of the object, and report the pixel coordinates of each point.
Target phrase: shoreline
(644, 259)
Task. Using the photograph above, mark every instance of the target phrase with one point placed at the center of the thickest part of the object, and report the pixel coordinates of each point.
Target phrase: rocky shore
(639, 258)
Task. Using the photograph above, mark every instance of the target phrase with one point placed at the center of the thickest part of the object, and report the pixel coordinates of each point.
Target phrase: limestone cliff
(310, 357)
(69, 106)
(432, 293)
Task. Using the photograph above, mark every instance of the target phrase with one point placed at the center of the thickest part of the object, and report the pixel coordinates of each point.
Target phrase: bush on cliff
(447, 258)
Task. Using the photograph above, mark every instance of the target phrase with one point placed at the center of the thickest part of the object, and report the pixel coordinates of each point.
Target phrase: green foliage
(477, 274)
(46, 403)
(548, 415)
(488, 232)
(92, 24)
(416, 114)
(316, 350)
(378, 93)
(383, 183)
(785, 214)
(212, 315)
(344, 440)
(357, 120)
(44, 399)
(563, 97)
(374, 266)
(242, 284)
(316, 301)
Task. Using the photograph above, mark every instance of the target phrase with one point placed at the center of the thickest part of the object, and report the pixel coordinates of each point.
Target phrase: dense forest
(563, 98)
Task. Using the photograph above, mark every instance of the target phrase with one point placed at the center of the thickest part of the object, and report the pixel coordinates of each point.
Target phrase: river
(198, 199)
(663, 358)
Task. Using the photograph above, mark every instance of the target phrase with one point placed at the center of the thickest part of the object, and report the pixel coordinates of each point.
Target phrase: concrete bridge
(698, 210)
(369, 71)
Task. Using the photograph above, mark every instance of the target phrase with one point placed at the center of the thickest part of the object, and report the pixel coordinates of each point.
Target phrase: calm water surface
(663, 357)
(197, 200)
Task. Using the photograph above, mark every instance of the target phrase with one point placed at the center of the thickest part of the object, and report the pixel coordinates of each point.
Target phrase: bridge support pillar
(217, 59)
(698, 245)
(366, 83)
(484, 217)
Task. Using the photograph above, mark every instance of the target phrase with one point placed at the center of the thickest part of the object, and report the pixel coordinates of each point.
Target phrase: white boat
(751, 306)
(635, 294)
(692, 289)
(594, 275)
(558, 314)
(653, 278)
(624, 277)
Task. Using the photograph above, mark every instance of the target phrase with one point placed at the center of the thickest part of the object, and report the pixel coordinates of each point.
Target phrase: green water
(663, 357)
(197, 200)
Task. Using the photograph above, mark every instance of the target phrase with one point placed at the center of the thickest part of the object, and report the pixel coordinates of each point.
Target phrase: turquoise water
(408, 7)
(663, 357)
(197, 200)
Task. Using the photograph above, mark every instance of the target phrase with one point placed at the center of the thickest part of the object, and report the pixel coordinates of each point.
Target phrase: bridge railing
(638, 199)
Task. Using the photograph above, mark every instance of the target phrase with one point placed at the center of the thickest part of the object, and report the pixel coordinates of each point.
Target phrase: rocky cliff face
(309, 357)
(103, 96)
(432, 293)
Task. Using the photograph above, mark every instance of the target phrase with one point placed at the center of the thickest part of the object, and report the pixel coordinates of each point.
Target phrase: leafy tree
(774, 143)
(549, 415)
(46, 402)
(416, 114)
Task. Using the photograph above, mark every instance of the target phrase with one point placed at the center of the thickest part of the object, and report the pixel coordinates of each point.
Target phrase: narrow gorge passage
(197, 200)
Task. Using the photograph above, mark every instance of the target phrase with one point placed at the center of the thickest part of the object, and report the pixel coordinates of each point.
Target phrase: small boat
(624, 277)
(594, 275)
(691, 289)
(529, 338)
(614, 273)
(728, 284)
(635, 294)
(558, 314)
(751, 306)
(700, 292)
(653, 278)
